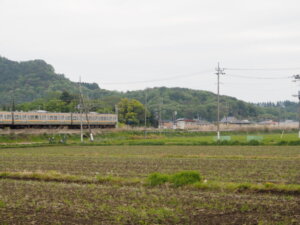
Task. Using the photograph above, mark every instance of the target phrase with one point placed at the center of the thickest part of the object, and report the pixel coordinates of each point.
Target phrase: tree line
(133, 112)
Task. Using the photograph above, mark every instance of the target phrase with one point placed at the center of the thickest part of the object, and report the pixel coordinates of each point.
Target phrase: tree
(131, 111)
(66, 97)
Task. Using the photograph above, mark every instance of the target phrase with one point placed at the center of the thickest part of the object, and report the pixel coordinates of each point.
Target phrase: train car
(41, 119)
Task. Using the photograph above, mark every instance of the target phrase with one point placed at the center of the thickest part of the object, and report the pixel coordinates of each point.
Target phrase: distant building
(229, 119)
(268, 122)
(289, 122)
(233, 120)
(167, 124)
(183, 123)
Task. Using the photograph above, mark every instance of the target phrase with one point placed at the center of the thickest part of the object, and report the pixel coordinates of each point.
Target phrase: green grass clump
(185, 177)
(155, 179)
(177, 179)
(2, 204)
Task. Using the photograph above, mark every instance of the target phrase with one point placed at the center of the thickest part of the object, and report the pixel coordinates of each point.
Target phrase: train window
(36, 117)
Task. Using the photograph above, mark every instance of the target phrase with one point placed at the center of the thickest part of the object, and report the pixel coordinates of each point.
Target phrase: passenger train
(44, 119)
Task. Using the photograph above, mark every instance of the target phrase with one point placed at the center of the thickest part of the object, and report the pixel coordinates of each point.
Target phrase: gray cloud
(114, 41)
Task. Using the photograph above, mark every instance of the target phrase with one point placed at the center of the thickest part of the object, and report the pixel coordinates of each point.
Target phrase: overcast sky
(133, 44)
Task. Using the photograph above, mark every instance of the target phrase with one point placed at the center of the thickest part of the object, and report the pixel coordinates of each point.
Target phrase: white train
(41, 119)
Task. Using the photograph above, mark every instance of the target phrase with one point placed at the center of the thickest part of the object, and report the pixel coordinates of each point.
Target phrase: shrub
(254, 142)
(282, 143)
(155, 179)
(185, 177)
(294, 142)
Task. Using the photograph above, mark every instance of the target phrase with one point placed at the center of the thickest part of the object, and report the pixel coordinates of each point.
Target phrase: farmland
(66, 187)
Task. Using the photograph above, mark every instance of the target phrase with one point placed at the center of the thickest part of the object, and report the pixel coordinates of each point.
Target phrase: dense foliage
(190, 103)
(30, 80)
(34, 85)
(131, 111)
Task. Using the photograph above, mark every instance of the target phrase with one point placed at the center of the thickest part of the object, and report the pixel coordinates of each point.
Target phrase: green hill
(32, 80)
(190, 103)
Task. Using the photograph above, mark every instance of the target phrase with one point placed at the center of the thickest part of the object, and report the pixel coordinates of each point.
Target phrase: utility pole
(174, 120)
(88, 120)
(145, 134)
(80, 110)
(220, 71)
(145, 109)
(297, 78)
(117, 114)
(82, 105)
(81, 126)
(13, 108)
(160, 113)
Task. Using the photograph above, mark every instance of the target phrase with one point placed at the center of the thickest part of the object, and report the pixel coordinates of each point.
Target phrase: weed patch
(2, 204)
(155, 179)
(185, 177)
(177, 179)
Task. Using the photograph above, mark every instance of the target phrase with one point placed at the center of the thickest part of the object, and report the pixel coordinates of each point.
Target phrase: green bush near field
(177, 179)
(185, 177)
(155, 179)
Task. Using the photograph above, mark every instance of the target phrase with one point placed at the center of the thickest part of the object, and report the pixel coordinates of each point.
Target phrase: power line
(260, 77)
(162, 79)
(264, 69)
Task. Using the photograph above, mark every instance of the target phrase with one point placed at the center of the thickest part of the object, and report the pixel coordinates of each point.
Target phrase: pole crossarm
(297, 77)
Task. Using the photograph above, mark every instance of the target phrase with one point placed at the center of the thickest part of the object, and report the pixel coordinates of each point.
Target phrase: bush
(254, 142)
(155, 179)
(294, 142)
(282, 143)
(185, 177)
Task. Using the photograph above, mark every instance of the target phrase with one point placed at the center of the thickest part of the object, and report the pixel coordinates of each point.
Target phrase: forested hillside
(33, 85)
(202, 104)
(30, 80)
